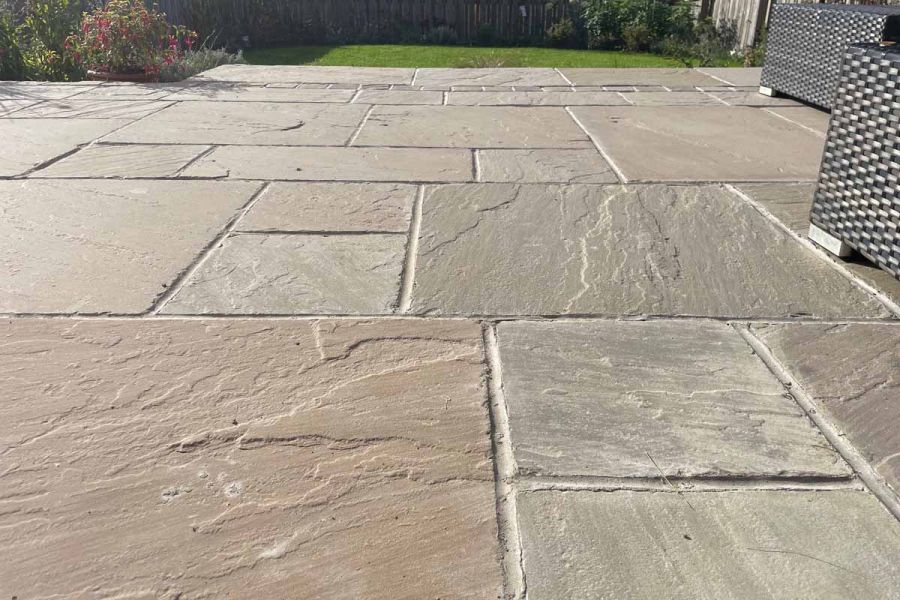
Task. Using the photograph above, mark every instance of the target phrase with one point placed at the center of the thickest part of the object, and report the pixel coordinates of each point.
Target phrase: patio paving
(329, 332)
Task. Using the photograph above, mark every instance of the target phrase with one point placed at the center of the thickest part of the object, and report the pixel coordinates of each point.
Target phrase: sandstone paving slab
(335, 164)
(32, 90)
(335, 207)
(617, 250)
(517, 98)
(489, 77)
(471, 127)
(245, 459)
(751, 98)
(246, 123)
(734, 545)
(93, 246)
(636, 399)
(544, 166)
(124, 161)
(812, 118)
(399, 97)
(239, 93)
(11, 105)
(28, 143)
(113, 90)
(853, 372)
(296, 274)
(671, 78)
(689, 98)
(307, 74)
(92, 109)
(703, 143)
(736, 76)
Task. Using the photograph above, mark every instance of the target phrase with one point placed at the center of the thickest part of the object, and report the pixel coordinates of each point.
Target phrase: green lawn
(450, 56)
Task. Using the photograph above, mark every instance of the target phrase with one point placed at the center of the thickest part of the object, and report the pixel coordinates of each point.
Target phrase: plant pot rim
(140, 77)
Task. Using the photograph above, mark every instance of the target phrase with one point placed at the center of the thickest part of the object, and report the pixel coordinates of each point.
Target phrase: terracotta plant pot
(130, 77)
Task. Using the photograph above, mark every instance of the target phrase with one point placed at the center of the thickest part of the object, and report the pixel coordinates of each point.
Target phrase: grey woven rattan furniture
(806, 44)
(857, 201)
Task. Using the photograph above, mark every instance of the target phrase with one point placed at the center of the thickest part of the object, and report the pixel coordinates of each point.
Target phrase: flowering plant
(125, 37)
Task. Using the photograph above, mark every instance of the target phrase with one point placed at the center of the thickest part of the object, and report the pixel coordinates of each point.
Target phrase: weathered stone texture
(239, 93)
(672, 78)
(93, 109)
(752, 98)
(304, 74)
(43, 90)
(488, 77)
(399, 97)
(814, 119)
(509, 98)
(670, 99)
(742, 77)
(544, 166)
(129, 161)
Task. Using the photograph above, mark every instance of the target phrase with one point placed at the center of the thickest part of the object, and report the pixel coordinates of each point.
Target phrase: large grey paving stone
(488, 77)
(93, 246)
(814, 119)
(42, 90)
(563, 98)
(245, 459)
(28, 143)
(853, 372)
(739, 545)
(336, 164)
(303, 74)
(671, 78)
(12, 105)
(472, 127)
(751, 98)
(124, 161)
(220, 92)
(645, 399)
(687, 98)
(617, 250)
(544, 166)
(335, 207)
(273, 123)
(736, 76)
(92, 109)
(399, 97)
(296, 274)
(115, 90)
(703, 143)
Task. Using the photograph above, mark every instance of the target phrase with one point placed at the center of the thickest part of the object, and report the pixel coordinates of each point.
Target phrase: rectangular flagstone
(728, 545)
(671, 78)
(472, 127)
(129, 161)
(296, 274)
(246, 123)
(11, 105)
(633, 399)
(853, 373)
(737, 76)
(246, 459)
(378, 207)
(617, 250)
(92, 109)
(703, 143)
(751, 98)
(812, 118)
(43, 90)
(306, 74)
(399, 97)
(238, 93)
(93, 246)
(544, 166)
(335, 164)
(489, 77)
(517, 98)
(663, 98)
(113, 90)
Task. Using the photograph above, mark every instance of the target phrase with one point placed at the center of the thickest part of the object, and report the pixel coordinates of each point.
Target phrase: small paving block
(812, 118)
(517, 98)
(129, 161)
(239, 93)
(489, 77)
(246, 460)
(617, 250)
(544, 166)
(303, 74)
(399, 97)
(378, 207)
(736, 76)
(472, 127)
(246, 123)
(92, 109)
(651, 399)
(853, 372)
(93, 246)
(296, 274)
(684, 78)
(335, 164)
(703, 143)
(735, 545)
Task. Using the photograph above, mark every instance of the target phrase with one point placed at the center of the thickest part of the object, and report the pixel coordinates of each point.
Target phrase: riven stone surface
(703, 143)
(296, 274)
(472, 127)
(241, 93)
(399, 97)
(336, 164)
(752, 98)
(246, 123)
(304, 74)
(381, 207)
(738, 545)
(687, 98)
(92, 109)
(129, 161)
(28, 143)
(636, 399)
(488, 77)
(509, 98)
(671, 78)
(622, 250)
(245, 459)
(42, 90)
(92, 246)
(736, 76)
(815, 119)
(11, 105)
(133, 91)
(853, 372)
(544, 166)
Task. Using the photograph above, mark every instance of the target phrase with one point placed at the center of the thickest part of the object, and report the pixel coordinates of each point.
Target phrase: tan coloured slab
(399, 97)
(508, 98)
(237, 93)
(92, 109)
(28, 143)
(335, 207)
(751, 98)
(336, 164)
(853, 373)
(129, 161)
(246, 123)
(277, 274)
(471, 127)
(736, 76)
(307, 74)
(112, 90)
(811, 118)
(488, 77)
(42, 90)
(672, 78)
(93, 246)
(663, 98)
(729, 545)
(246, 460)
(11, 105)
(543, 166)
(703, 143)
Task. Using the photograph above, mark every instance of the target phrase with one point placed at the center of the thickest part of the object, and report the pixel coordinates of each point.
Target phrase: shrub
(635, 24)
(12, 65)
(563, 34)
(41, 39)
(197, 61)
(708, 44)
(442, 34)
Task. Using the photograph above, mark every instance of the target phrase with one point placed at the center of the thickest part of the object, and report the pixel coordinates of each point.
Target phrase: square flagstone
(105, 246)
(633, 399)
(305, 74)
(853, 373)
(296, 274)
(671, 78)
(471, 127)
(735, 545)
(399, 97)
(805, 116)
(544, 166)
(335, 207)
(270, 123)
(489, 77)
(336, 164)
(736, 76)
(28, 143)
(92, 109)
(703, 143)
(617, 250)
(131, 161)
(246, 459)
(239, 93)
(517, 98)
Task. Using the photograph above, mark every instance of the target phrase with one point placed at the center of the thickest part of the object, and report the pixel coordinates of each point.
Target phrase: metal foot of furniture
(767, 91)
(829, 242)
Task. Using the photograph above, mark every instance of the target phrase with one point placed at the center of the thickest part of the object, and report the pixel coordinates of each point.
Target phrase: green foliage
(563, 34)
(42, 36)
(197, 61)
(12, 64)
(708, 44)
(638, 24)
